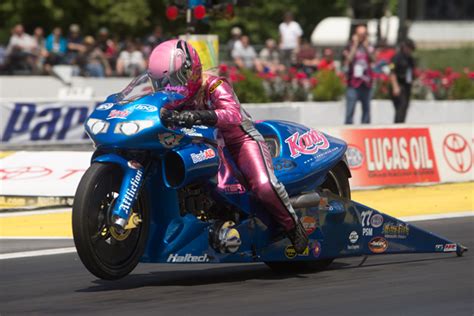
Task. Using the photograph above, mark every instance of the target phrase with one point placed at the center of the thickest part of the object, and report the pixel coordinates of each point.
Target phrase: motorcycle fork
(132, 180)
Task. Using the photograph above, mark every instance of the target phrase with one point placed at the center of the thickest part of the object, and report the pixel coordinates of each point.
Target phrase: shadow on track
(228, 274)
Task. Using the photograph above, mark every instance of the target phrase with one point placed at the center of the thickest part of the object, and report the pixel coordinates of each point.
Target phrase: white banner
(55, 173)
(49, 122)
(453, 146)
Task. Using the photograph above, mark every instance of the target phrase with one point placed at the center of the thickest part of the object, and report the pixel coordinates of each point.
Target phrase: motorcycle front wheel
(105, 252)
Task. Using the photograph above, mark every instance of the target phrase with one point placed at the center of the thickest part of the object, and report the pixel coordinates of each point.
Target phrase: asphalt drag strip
(422, 284)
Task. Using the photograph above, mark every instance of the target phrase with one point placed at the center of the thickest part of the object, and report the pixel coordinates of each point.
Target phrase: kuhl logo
(308, 143)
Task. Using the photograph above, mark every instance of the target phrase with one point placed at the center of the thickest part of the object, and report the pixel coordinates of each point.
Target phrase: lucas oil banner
(45, 122)
(389, 156)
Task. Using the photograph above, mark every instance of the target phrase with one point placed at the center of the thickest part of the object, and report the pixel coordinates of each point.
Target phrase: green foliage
(250, 90)
(261, 18)
(439, 59)
(329, 87)
(463, 88)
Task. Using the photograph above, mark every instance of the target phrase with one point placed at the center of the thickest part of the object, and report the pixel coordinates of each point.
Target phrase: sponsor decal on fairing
(308, 143)
(378, 245)
(376, 220)
(203, 155)
(175, 258)
(170, 140)
(118, 114)
(396, 230)
(316, 249)
(309, 223)
(146, 108)
(105, 107)
(450, 247)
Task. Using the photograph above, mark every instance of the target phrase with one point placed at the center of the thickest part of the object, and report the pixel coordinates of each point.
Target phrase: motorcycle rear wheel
(106, 253)
(338, 183)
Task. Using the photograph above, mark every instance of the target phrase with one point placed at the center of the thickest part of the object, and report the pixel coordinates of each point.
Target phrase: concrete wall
(332, 113)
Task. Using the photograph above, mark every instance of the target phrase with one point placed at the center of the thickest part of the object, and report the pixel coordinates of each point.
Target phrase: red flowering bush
(327, 85)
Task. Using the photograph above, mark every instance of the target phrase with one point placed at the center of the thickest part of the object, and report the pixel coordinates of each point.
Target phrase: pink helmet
(174, 65)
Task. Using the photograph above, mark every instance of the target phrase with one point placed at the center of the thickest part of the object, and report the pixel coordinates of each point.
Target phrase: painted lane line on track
(29, 213)
(36, 237)
(37, 253)
(419, 218)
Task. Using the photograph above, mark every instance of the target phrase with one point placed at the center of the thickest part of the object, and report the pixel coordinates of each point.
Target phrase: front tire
(105, 252)
(337, 182)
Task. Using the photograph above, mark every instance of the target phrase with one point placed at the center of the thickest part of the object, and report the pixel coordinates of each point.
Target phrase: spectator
(154, 39)
(358, 58)
(74, 44)
(131, 61)
(306, 58)
(107, 45)
(290, 38)
(245, 56)
(40, 52)
(92, 60)
(327, 61)
(269, 57)
(401, 78)
(56, 45)
(20, 50)
(235, 33)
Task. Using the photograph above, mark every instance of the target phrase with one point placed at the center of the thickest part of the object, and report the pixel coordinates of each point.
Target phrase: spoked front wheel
(106, 253)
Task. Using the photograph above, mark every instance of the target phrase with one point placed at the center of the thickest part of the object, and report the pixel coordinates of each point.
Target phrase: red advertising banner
(386, 156)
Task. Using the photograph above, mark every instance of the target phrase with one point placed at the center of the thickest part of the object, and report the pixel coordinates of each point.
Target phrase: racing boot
(298, 238)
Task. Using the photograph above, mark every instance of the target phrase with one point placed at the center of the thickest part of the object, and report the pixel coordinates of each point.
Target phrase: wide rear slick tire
(337, 182)
(106, 253)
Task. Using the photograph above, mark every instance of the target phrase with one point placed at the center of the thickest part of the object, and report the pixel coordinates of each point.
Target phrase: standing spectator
(154, 39)
(245, 55)
(269, 57)
(401, 77)
(358, 58)
(290, 38)
(92, 60)
(306, 58)
(131, 61)
(235, 33)
(327, 61)
(56, 45)
(74, 44)
(20, 50)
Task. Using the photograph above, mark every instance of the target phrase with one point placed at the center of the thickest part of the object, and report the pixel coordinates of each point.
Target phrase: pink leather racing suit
(246, 146)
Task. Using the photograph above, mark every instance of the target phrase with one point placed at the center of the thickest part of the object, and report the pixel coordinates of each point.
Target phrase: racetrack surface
(422, 284)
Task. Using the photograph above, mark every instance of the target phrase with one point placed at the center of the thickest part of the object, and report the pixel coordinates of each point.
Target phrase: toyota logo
(457, 153)
(22, 173)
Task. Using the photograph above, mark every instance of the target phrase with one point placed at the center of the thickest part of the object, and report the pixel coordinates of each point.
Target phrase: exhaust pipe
(305, 200)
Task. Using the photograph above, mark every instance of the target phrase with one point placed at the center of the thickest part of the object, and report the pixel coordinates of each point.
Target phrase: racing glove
(190, 118)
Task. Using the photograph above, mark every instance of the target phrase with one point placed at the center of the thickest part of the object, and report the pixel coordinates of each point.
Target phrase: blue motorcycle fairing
(301, 166)
(131, 183)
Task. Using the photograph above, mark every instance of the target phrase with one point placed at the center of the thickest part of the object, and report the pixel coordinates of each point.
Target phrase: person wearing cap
(402, 69)
(92, 60)
(74, 43)
(236, 33)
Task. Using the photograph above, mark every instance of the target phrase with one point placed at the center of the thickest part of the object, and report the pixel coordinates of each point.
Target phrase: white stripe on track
(37, 253)
(35, 237)
(29, 213)
(429, 217)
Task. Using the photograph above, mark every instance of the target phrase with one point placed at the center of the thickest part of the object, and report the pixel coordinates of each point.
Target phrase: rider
(210, 100)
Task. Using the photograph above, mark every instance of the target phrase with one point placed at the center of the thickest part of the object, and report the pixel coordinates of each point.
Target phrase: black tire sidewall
(81, 207)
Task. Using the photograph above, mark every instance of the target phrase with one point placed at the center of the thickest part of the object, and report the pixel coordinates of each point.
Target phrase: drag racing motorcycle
(163, 194)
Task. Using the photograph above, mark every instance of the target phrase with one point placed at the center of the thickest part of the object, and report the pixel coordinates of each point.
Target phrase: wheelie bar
(129, 189)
